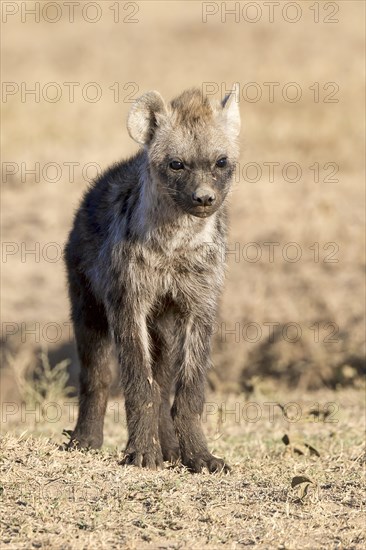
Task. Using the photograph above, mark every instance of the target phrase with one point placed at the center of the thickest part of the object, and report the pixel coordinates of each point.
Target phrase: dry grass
(75, 500)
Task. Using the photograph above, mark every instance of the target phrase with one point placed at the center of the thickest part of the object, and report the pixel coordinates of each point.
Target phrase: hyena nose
(203, 197)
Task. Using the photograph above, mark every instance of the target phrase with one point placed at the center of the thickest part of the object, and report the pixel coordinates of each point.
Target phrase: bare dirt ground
(292, 314)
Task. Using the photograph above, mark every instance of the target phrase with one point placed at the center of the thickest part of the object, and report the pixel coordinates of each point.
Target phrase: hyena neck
(158, 219)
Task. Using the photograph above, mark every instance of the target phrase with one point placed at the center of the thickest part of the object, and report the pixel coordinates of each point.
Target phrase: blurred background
(293, 307)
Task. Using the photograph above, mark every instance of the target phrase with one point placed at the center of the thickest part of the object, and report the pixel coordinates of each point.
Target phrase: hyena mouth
(202, 211)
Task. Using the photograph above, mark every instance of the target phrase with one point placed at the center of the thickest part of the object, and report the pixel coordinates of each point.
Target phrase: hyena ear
(230, 111)
(143, 116)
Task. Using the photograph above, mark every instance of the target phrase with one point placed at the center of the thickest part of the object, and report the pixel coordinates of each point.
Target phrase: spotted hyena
(143, 281)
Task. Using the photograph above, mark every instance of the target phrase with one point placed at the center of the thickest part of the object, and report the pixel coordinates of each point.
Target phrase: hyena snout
(203, 197)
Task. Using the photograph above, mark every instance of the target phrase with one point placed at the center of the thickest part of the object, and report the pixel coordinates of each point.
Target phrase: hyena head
(191, 146)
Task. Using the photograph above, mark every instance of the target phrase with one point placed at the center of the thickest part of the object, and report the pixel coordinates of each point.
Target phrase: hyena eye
(222, 162)
(176, 165)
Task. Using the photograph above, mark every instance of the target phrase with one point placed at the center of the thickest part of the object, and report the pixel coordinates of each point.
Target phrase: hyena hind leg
(164, 374)
(94, 347)
(168, 439)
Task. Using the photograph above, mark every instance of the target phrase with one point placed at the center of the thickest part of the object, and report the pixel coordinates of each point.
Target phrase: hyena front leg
(141, 391)
(94, 346)
(189, 399)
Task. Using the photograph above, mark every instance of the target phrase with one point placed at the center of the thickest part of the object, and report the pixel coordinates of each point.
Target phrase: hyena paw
(83, 441)
(151, 458)
(213, 464)
(171, 454)
(169, 447)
